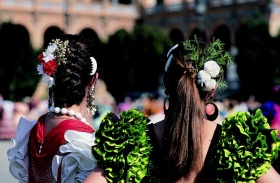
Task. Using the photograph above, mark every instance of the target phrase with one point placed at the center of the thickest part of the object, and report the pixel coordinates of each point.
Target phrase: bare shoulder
(97, 175)
(271, 176)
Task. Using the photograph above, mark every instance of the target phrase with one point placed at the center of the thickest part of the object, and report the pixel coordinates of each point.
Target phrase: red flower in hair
(49, 67)
(40, 58)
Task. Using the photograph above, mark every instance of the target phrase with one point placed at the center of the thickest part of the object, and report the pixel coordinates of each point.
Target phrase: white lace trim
(75, 166)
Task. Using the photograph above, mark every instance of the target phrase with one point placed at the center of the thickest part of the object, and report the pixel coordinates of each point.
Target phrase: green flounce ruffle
(122, 147)
(247, 147)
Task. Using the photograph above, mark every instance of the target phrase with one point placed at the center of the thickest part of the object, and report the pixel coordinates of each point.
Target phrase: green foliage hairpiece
(199, 53)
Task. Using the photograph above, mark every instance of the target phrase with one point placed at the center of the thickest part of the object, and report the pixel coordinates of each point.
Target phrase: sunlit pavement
(5, 176)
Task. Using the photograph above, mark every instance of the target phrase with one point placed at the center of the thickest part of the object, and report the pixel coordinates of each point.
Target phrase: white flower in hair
(202, 77)
(40, 69)
(209, 85)
(212, 68)
(48, 54)
(51, 48)
(48, 57)
(48, 79)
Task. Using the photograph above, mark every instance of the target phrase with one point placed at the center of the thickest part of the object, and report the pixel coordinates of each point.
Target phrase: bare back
(209, 129)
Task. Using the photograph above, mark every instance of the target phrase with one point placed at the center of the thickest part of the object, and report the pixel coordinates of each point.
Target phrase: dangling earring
(91, 108)
(211, 117)
(165, 110)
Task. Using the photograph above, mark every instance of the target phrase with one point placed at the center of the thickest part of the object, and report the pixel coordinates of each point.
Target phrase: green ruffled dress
(242, 149)
(247, 148)
(122, 146)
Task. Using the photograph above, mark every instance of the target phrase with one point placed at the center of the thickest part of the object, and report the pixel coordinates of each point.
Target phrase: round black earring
(212, 117)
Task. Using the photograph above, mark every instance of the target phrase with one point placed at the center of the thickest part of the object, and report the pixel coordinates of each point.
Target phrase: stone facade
(208, 16)
(222, 19)
(105, 16)
(274, 20)
(71, 16)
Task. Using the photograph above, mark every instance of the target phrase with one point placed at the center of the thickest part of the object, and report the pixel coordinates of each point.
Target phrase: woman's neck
(54, 117)
(208, 133)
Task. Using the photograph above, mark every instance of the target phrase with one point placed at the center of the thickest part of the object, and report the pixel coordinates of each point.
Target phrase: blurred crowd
(151, 104)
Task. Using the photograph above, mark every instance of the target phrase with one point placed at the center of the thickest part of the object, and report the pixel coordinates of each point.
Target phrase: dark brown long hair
(72, 78)
(183, 133)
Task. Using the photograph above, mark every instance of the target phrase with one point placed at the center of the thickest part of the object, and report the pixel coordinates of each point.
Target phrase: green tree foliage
(116, 63)
(150, 43)
(256, 59)
(276, 56)
(133, 60)
(18, 63)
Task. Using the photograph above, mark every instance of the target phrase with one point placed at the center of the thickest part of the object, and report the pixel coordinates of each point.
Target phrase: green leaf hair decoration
(199, 54)
(122, 146)
(247, 147)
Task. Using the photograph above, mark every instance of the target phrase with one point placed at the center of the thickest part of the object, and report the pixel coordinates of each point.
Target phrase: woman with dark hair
(188, 146)
(195, 149)
(57, 146)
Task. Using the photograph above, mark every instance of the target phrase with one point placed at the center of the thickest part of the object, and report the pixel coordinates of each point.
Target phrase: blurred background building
(131, 53)
(209, 19)
(181, 18)
(274, 19)
(221, 18)
(42, 18)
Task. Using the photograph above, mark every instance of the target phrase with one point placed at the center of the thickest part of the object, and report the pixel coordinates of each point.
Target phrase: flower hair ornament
(207, 61)
(53, 56)
(50, 59)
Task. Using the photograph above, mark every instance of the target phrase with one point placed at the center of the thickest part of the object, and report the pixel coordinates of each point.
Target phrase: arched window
(176, 35)
(159, 2)
(51, 33)
(125, 1)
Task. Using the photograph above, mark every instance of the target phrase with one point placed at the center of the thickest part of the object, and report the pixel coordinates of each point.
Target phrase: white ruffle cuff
(17, 155)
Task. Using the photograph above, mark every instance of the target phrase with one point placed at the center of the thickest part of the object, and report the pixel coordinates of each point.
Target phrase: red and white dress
(64, 155)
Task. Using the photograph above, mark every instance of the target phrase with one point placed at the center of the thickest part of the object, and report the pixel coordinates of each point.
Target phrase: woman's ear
(94, 79)
(213, 90)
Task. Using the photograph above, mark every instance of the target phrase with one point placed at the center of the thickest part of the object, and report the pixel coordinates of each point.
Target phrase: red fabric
(40, 164)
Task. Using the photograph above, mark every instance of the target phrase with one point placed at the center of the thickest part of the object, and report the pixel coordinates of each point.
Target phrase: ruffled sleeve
(18, 154)
(247, 147)
(122, 147)
(78, 162)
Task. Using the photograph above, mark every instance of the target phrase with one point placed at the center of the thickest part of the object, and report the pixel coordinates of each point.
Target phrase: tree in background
(132, 60)
(276, 56)
(116, 62)
(148, 55)
(18, 63)
(256, 61)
